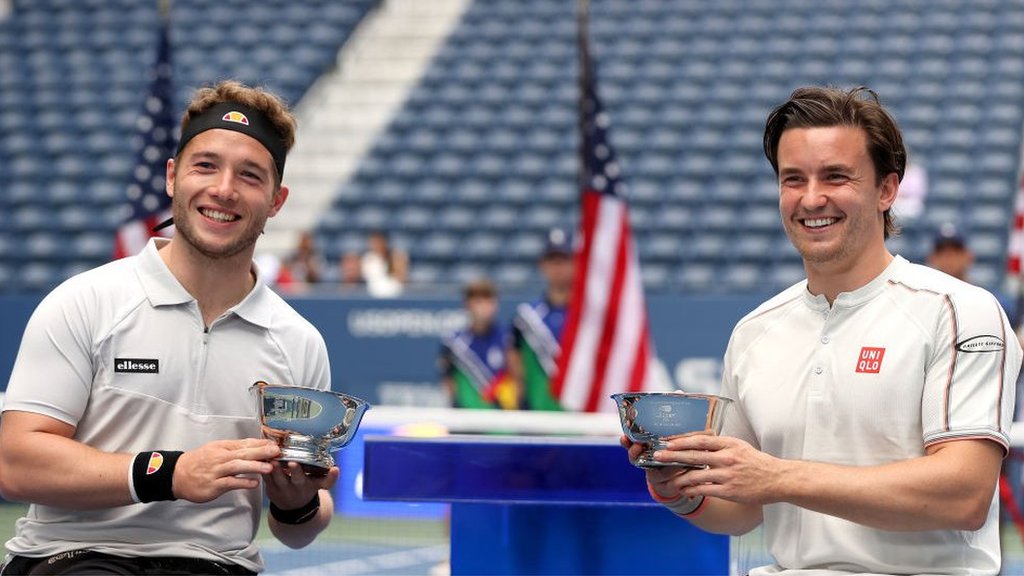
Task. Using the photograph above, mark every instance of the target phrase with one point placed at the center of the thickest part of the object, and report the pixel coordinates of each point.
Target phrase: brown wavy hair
(822, 107)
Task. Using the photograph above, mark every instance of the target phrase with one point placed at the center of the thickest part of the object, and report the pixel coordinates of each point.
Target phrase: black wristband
(153, 475)
(299, 515)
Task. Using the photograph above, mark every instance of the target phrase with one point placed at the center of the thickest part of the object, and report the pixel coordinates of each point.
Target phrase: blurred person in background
(473, 359)
(350, 271)
(128, 423)
(950, 252)
(871, 402)
(537, 326)
(910, 203)
(383, 268)
(305, 265)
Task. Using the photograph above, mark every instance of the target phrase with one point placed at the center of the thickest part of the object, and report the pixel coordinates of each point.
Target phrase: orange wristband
(683, 506)
(659, 498)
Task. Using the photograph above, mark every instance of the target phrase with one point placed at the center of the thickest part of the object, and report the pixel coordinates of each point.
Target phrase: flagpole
(583, 39)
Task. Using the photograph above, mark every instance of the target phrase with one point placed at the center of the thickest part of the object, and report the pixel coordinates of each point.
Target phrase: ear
(169, 178)
(279, 199)
(888, 190)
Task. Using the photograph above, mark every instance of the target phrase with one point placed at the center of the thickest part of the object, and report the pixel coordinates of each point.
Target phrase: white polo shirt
(121, 353)
(912, 359)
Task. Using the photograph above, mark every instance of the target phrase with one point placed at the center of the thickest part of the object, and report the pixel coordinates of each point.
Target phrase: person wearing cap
(473, 359)
(950, 253)
(128, 422)
(537, 325)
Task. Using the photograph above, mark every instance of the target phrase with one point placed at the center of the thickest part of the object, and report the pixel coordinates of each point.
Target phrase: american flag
(606, 344)
(154, 141)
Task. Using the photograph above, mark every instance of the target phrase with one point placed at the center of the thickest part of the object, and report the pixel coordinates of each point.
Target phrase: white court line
(372, 564)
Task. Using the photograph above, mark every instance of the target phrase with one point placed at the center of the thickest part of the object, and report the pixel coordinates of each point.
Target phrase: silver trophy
(655, 418)
(307, 423)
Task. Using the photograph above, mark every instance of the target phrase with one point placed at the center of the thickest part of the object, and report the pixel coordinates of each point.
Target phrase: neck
(833, 278)
(217, 284)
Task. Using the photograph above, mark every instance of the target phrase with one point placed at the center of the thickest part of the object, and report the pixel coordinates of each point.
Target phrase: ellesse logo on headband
(137, 365)
(236, 117)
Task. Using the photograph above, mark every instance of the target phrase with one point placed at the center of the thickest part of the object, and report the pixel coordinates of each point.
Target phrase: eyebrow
(789, 170)
(837, 168)
(249, 164)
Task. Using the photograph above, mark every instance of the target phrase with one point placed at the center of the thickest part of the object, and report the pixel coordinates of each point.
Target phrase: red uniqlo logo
(870, 360)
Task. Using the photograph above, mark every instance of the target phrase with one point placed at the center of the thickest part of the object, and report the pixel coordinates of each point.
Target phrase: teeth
(219, 216)
(818, 222)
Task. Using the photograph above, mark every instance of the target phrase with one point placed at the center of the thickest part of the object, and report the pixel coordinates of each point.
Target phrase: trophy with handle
(307, 424)
(655, 418)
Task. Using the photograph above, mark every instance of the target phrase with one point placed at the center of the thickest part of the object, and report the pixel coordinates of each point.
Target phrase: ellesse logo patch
(137, 365)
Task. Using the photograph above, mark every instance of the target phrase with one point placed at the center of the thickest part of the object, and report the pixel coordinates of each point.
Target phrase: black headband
(240, 118)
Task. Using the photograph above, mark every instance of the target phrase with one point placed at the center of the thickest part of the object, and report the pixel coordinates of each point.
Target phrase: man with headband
(128, 424)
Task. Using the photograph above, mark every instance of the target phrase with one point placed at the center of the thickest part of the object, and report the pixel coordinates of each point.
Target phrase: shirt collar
(163, 289)
(860, 295)
(159, 284)
(256, 307)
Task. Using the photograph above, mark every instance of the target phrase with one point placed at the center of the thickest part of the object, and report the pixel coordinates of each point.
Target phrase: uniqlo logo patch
(870, 360)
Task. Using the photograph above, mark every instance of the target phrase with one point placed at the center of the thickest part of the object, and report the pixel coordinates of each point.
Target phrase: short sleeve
(319, 363)
(53, 371)
(736, 423)
(971, 376)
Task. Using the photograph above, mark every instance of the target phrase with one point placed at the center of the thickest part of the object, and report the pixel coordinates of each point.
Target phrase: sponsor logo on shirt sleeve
(981, 344)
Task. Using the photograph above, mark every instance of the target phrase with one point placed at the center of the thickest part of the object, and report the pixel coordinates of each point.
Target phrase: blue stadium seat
(526, 246)
(656, 277)
(664, 247)
(436, 246)
(464, 272)
(699, 278)
(415, 218)
(426, 274)
(746, 278)
(491, 127)
(499, 217)
(514, 274)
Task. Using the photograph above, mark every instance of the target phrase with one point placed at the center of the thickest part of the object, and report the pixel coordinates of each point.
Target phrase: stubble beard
(185, 229)
(837, 250)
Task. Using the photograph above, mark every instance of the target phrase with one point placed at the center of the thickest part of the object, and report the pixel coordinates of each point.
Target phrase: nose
(224, 187)
(814, 196)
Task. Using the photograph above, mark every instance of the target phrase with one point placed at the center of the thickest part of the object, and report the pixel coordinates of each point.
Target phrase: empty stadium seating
(482, 156)
(72, 81)
(485, 146)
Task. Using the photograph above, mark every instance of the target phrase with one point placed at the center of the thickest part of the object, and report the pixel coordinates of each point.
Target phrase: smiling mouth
(819, 222)
(218, 216)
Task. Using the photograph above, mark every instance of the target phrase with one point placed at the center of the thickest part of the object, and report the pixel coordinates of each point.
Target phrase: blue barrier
(541, 506)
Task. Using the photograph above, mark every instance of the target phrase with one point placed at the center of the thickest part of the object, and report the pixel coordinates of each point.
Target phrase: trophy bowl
(655, 418)
(307, 423)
